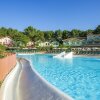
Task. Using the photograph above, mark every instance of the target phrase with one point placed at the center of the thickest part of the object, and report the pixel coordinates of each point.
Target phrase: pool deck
(24, 83)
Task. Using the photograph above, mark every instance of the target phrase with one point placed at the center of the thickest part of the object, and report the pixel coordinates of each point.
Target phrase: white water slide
(25, 83)
(64, 55)
(68, 55)
(59, 55)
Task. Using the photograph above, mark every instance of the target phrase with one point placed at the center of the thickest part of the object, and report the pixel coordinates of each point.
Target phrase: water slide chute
(69, 55)
(63, 55)
(59, 55)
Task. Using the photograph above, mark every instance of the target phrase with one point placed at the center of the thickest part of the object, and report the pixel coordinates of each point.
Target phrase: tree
(31, 33)
(48, 35)
(83, 34)
(89, 31)
(75, 32)
(65, 34)
(40, 36)
(97, 30)
(58, 34)
(21, 39)
(3, 32)
(12, 32)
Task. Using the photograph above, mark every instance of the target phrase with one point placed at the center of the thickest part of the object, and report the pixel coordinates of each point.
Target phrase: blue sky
(50, 14)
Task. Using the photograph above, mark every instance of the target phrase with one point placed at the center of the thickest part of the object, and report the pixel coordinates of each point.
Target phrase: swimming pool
(79, 77)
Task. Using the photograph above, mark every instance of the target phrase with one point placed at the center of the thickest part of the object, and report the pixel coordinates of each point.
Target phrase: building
(47, 44)
(55, 44)
(93, 38)
(44, 44)
(7, 41)
(30, 44)
(74, 41)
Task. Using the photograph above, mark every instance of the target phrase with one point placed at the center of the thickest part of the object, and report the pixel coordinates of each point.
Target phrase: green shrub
(2, 48)
(2, 56)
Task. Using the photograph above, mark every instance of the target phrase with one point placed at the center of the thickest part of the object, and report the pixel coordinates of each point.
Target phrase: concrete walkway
(24, 83)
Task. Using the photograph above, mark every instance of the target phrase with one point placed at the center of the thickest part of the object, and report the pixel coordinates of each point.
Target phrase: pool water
(79, 77)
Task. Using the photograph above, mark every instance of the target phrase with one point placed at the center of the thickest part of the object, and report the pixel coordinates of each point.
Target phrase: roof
(87, 46)
(79, 38)
(5, 37)
(93, 35)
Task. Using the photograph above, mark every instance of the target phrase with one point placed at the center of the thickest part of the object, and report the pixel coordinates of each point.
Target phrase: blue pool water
(78, 77)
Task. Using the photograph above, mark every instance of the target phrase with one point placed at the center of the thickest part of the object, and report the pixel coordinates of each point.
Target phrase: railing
(36, 50)
(77, 51)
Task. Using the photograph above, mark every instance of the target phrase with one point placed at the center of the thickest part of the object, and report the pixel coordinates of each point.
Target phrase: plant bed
(2, 56)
